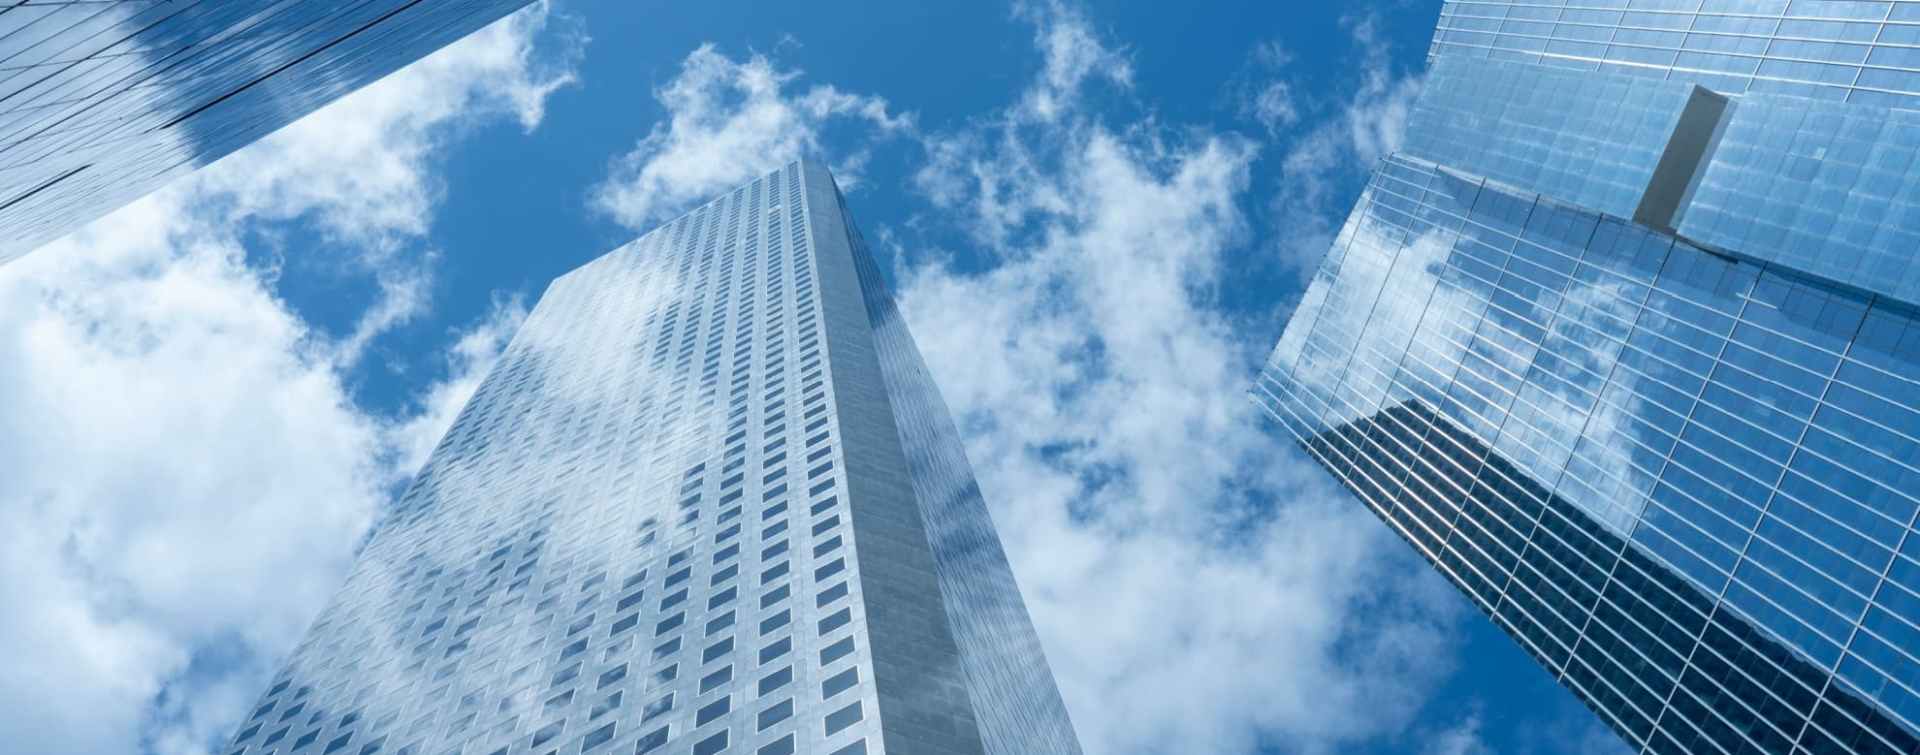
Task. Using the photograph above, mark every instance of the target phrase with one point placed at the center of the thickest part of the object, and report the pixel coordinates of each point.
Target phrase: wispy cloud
(1462, 738)
(185, 475)
(727, 121)
(1262, 92)
(361, 168)
(1324, 165)
(1074, 54)
(1170, 550)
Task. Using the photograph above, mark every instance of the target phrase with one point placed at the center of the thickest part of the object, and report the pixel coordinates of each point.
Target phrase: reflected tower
(708, 501)
(103, 102)
(1623, 341)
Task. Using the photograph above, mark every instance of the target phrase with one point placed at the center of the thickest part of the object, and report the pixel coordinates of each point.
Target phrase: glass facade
(1859, 51)
(1685, 482)
(708, 501)
(1821, 187)
(1624, 342)
(102, 102)
(1589, 139)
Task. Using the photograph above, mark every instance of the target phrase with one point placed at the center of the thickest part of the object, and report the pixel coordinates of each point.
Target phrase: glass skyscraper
(102, 102)
(1624, 341)
(708, 501)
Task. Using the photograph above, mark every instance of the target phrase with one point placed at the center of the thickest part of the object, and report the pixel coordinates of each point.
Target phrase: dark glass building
(103, 102)
(1623, 341)
(708, 501)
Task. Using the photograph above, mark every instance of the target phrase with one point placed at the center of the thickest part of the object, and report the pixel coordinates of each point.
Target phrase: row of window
(541, 585)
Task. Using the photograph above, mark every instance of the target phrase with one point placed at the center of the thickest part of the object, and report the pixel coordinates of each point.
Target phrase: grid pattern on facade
(1645, 611)
(1821, 187)
(661, 524)
(1591, 139)
(1751, 434)
(102, 102)
(1825, 188)
(1864, 51)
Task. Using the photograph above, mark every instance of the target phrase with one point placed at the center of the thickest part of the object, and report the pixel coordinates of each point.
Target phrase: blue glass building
(1623, 341)
(708, 501)
(103, 102)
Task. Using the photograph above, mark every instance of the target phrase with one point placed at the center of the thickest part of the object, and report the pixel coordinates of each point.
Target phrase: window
(836, 651)
(775, 650)
(597, 737)
(712, 745)
(776, 713)
(654, 741)
(781, 746)
(839, 619)
(839, 683)
(546, 733)
(713, 681)
(839, 720)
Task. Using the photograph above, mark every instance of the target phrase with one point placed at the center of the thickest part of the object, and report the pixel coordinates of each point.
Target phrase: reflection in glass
(103, 102)
(1659, 467)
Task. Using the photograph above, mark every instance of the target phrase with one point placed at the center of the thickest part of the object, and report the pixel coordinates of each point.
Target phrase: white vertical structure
(709, 501)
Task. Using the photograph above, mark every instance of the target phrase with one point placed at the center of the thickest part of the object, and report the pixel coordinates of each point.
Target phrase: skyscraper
(1623, 341)
(708, 501)
(101, 103)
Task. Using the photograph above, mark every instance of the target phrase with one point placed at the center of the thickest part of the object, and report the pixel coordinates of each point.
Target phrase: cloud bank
(183, 474)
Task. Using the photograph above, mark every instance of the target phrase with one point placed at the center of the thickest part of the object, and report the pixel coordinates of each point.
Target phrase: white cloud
(1463, 738)
(360, 167)
(1073, 54)
(183, 474)
(472, 355)
(727, 121)
(1102, 398)
(1340, 147)
(1274, 107)
(182, 470)
(1199, 588)
(1265, 97)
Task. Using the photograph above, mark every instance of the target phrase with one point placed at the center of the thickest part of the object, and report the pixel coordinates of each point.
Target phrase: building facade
(1623, 341)
(103, 102)
(708, 501)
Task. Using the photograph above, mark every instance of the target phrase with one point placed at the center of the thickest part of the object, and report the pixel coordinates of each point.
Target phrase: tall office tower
(103, 102)
(708, 501)
(1623, 341)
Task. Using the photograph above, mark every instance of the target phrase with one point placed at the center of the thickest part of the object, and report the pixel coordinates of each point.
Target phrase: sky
(1096, 218)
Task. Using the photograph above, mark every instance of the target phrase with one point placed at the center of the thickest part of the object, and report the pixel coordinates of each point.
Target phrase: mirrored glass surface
(1861, 51)
(103, 102)
(1684, 481)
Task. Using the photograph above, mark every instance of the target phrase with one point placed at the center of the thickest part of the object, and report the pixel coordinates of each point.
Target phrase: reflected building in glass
(103, 102)
(709, 500)
(1623, 341)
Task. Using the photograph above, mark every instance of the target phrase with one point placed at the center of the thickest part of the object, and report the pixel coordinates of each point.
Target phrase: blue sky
(1096, 216)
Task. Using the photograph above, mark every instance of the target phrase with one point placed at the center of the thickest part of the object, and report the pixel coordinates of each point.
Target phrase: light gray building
(708, 501)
